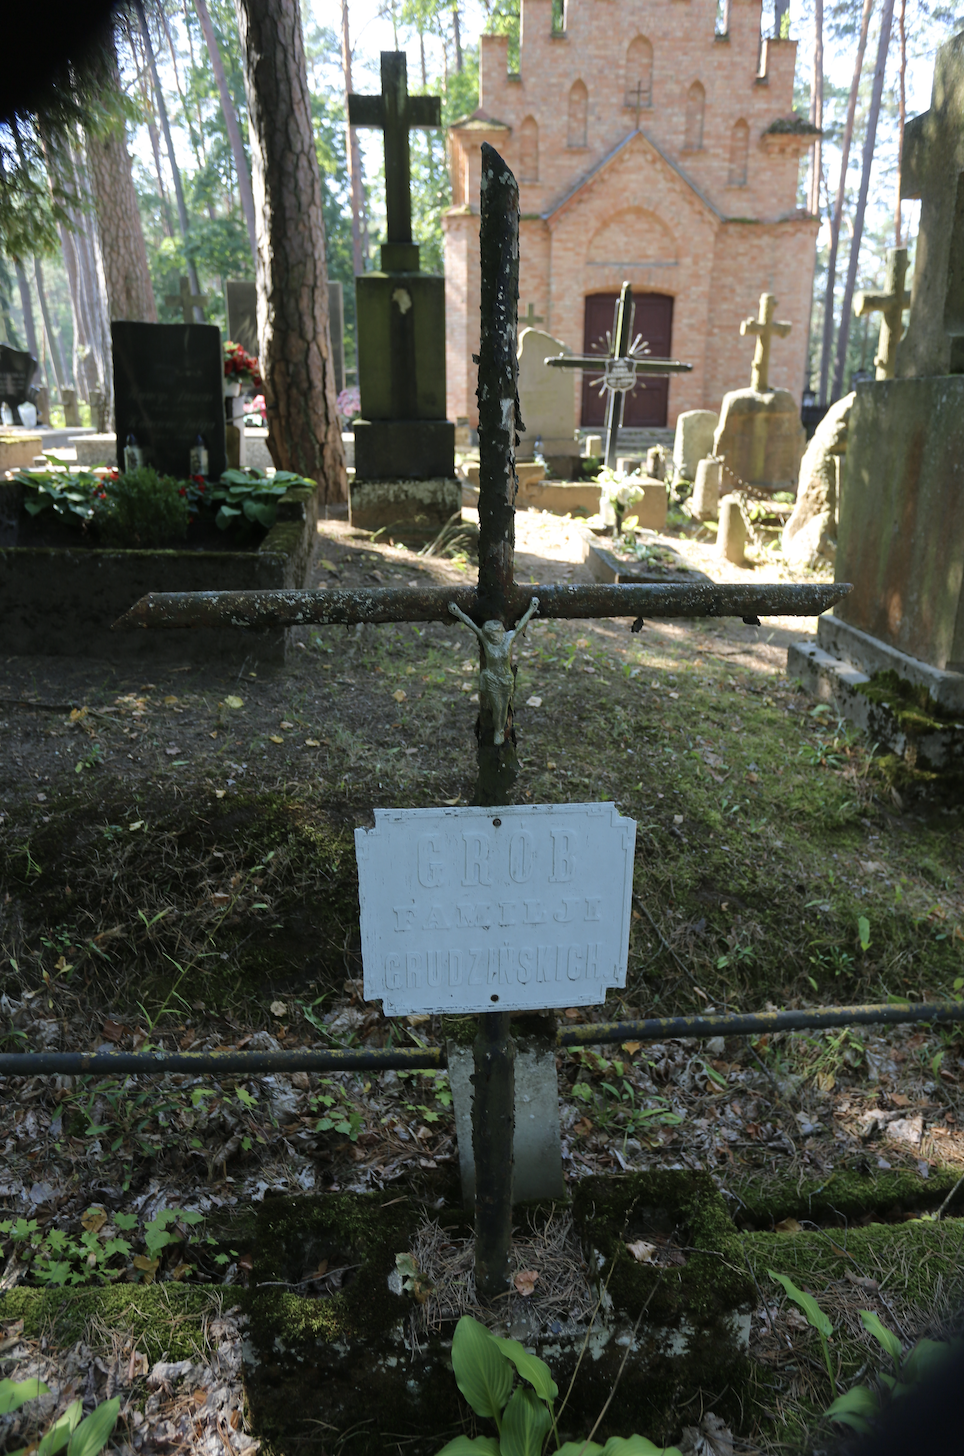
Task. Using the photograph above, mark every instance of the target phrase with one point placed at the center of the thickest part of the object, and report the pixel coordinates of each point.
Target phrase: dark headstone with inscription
(168, 389)
(17, 369)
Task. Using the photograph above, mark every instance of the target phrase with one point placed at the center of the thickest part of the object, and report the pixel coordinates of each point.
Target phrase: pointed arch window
(578, 115)
(739, 153)
(695, 106)
(639, 74)
(529, 150)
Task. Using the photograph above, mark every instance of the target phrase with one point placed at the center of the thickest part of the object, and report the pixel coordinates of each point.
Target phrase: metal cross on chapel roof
(496, 599)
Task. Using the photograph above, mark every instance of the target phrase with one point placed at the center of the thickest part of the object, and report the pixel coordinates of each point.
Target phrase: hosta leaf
(926, 1357)
(13, 1393)
(636, 1446)
(579, 1448)
(807, 1303)
(482, 1372)
(530, 1367)
(92, 1435)
(469, 1446)
(884, 1337)
(856, 1408)
(60, 1432)
(524, 1424)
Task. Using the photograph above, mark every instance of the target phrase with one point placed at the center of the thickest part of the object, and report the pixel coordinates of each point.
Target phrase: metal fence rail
(360, 1059)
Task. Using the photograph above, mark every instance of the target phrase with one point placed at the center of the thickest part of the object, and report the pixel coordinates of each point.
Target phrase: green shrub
(142, 509)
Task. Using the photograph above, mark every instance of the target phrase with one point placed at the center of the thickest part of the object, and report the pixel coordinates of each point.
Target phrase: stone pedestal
(761, 440)
(17, 449)
(390, 449)
(95, 450)
(414, 509)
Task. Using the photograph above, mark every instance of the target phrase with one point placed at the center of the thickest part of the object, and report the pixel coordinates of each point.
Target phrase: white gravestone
(502, 909)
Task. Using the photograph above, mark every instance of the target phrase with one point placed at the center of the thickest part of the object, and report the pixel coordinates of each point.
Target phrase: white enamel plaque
(511, 909)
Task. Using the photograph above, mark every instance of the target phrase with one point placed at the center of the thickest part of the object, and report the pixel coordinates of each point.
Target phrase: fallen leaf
(278, 1008)
(233, 702)
(200, 1396)
(328, 565)
(550, 763)
(114, 1030)
(533, 702)
(172, 751)
(525, 1281)
(677, 818)
(474, 698)
(137, 824)
(583, 1127)
(752, 778)
(907, 1130)
(452, 802)
(899, 1099)
(77, 715)
(41, 798)
(147, 1266)
(642, 1252)
(182, 1271)
(410, 751)
(93, 1220)
(826, 1081)
(214, 734)
(862, 1281)
(220, 793)
(275, 738)
(399, 695)
(631, 1047)
(467, 687)
(674, 695)
(220, 898)
(582, 642)
(789, 1226)
(312, 743)
(468, 666)
(170, 698)
(285, 724)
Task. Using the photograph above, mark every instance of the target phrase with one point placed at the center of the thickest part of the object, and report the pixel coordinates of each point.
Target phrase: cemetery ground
(177, 870)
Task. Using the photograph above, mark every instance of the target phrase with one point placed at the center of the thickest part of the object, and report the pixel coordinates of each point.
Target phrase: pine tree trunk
(886, 18)
(129, 292)
(835, 221)
(231, 122)
(295, 344)
(816, 108)
(26, 305)
(359, 225)
(53, 347)
(901, 114)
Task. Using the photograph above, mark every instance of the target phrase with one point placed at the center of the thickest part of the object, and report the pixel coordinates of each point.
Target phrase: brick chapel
(651, 147)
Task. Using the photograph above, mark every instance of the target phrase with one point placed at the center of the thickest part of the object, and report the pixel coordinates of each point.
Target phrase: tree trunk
(128, 279)
(26, 305)
(293, 332)
(231, 122)
(53, 347)
(457, 37)
(151, 130)
(359, 224)
(816, 109)
(196, 142)
(886, 17)
(192, 277)
(835, 221)
(901, 114)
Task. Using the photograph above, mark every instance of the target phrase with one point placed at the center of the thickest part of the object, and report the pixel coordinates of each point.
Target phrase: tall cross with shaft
(764, 327)
(395, 112)
(496, 601)
(627, 357)
(890, 305)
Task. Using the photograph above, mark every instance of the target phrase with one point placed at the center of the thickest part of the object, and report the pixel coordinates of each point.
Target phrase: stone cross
(932, 168)
(764, 328)
(531, 319)
(190, 303)
(395, 112)
(496, 598)
(890, 305)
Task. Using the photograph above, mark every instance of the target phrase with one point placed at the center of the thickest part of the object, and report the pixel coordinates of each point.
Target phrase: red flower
(183, 490)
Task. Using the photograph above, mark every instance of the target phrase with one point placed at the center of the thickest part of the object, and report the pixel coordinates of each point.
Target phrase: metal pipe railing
(351, 1059)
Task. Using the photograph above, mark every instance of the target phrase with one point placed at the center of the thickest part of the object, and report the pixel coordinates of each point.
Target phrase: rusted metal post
(493, 1106)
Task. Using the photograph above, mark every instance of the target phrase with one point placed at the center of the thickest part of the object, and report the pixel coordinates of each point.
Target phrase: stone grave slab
(694, 441)
(546, 399)
(168, 389)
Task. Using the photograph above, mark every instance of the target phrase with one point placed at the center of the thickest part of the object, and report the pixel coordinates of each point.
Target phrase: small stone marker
(694, 441)
(731, 532)
(764, 327)
(705, 503)
(890, 305)
(168, 390)
(508, 909)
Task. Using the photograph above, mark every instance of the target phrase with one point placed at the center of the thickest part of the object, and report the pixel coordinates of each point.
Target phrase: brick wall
(640, 205)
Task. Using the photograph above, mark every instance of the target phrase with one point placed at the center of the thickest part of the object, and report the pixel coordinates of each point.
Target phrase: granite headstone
(241, 302)
(17, 370)
(168, 390)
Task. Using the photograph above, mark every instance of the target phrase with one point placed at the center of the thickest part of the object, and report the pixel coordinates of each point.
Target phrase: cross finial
(764, 327)
(531, 319)
(395, 112)
(890, 305)
(186, 300)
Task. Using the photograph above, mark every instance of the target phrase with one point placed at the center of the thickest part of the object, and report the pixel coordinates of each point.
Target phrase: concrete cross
(764, 328)
(890, 305)
(531, 319)
(190, 303)
(395, 112)
(496, 598)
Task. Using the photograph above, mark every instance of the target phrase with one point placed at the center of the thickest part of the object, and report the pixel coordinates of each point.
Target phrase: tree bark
(886, 18)
(293, 332)
(901, 114)
(192, 277)
(53, 347)
(151, 129)
(816, 108)
(26, 305)
(128, 279)
(231, 122)
(359, 224)
(826, 345)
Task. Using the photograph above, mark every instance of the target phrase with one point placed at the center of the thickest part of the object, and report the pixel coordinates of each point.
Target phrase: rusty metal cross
(496, 598)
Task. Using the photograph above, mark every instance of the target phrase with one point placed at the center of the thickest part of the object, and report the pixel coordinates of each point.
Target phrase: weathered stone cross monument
(764, 327)
(494, 607)
(627, 357)
(190, 304)
(403, 435)
(890, 305)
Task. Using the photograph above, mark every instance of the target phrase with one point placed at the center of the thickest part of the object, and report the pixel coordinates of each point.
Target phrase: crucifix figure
(496, 678)
(764, 328)
(628, 356)
(890, 305)
(395, 112)
(494, 602)
(190, 303)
